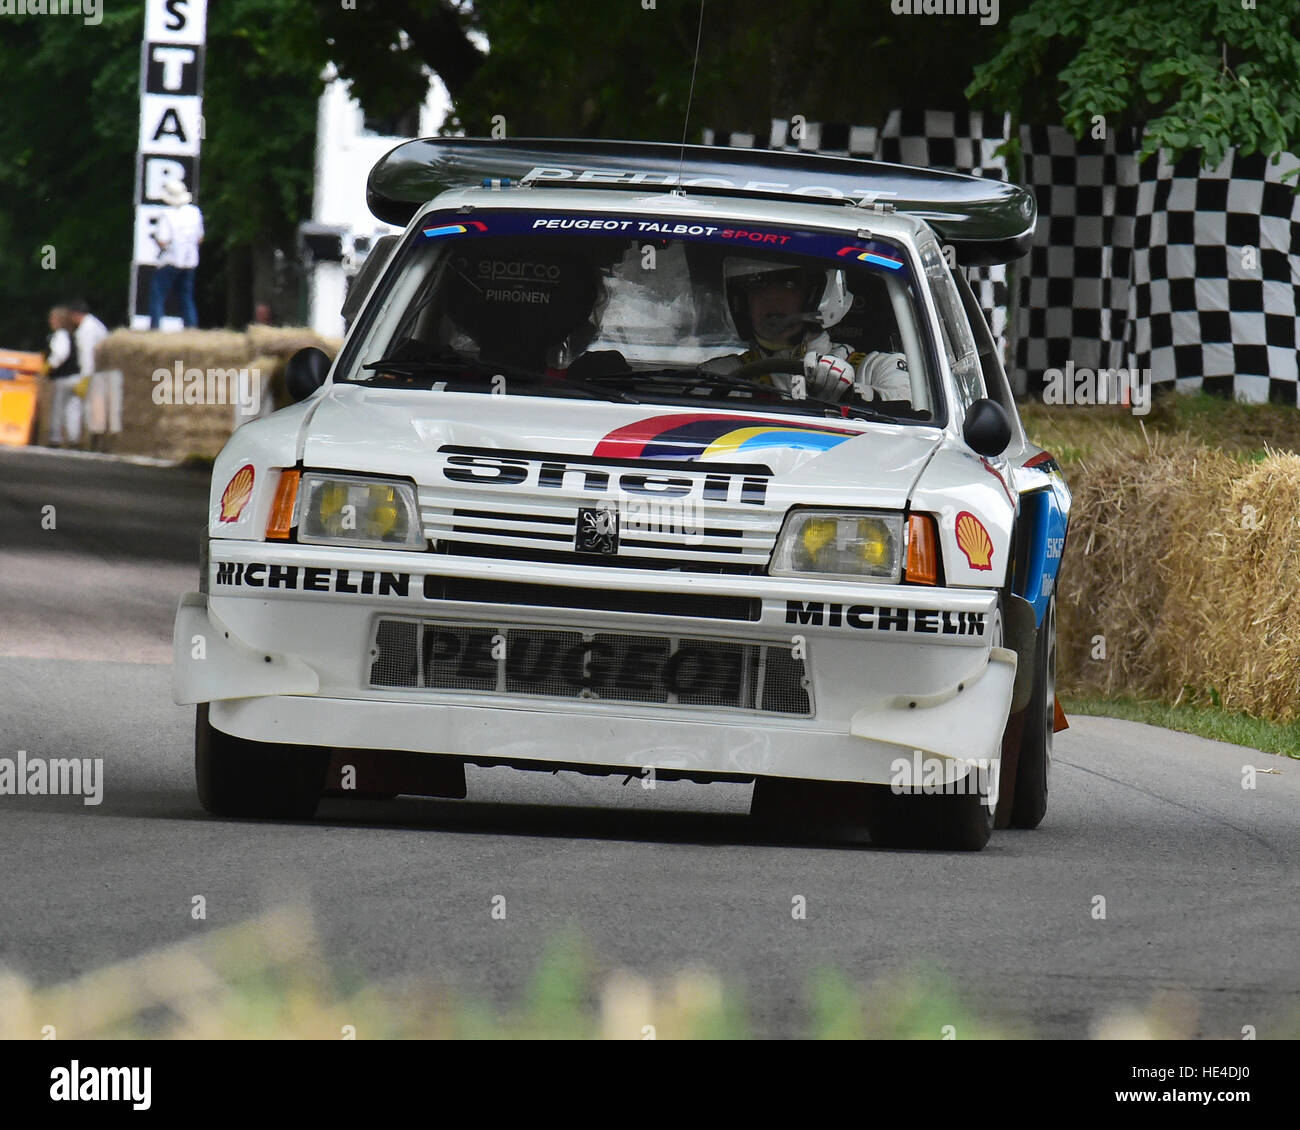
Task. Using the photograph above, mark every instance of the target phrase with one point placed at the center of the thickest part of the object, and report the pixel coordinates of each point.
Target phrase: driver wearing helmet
(786, 312)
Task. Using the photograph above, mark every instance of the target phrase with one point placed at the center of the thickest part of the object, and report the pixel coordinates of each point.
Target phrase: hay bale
(172, 430)
(183, 428)
(1183, 561)
(284, 341)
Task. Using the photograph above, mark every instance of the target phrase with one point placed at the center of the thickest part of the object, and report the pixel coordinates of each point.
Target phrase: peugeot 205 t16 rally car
(646, 459)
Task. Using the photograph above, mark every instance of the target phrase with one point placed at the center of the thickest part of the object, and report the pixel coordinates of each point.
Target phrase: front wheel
(943, 821)
(238, 777)
(958, 818)
(1029, 803)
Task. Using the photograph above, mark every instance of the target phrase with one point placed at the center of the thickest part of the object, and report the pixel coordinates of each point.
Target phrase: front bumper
(282, 648)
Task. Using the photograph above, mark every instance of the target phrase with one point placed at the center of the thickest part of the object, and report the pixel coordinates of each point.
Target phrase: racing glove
(827, 377)
(875, 376)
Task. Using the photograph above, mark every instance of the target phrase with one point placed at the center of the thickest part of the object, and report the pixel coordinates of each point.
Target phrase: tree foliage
(69, 108)
(1203, 75)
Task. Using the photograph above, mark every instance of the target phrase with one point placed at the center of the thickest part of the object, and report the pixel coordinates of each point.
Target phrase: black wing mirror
(987, 428)
(305, 372)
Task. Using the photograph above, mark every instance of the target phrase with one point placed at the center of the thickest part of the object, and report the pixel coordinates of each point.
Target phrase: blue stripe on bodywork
(1047, 521)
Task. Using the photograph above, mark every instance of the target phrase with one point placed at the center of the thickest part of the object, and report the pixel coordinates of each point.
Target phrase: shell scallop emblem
(974, 541)
(237, 493)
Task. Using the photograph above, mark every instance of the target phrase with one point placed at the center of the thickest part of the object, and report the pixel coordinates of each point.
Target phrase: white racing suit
(830, 370)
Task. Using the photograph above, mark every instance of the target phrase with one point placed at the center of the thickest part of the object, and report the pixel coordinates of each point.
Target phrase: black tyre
(237, 777)
(937, 821)
(943, 821)
(820, 809)
(1029, 804)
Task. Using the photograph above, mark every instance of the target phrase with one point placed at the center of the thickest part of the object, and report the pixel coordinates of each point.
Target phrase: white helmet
(826, 296)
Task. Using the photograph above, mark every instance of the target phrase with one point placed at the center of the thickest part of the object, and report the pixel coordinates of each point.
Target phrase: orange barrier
(20, 394)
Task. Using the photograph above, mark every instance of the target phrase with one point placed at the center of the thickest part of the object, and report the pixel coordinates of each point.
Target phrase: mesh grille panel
(605, 666)
(542, 662)
(396, 662)
(783, 687)
(459, 657)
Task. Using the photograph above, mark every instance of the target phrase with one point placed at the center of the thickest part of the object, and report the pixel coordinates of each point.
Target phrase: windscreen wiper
(420, 366)
(700, 375)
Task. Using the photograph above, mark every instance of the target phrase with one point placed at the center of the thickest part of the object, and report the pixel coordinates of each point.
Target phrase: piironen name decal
(882, 618)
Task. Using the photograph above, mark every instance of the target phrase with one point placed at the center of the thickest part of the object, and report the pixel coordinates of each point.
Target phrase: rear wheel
(237, 777)
(1029, 803)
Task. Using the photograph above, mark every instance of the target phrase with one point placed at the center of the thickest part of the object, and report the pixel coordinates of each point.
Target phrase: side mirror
(305, 372)
(986, 429)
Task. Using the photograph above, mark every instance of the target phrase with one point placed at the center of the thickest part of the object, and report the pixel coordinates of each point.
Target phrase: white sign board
(171, 128)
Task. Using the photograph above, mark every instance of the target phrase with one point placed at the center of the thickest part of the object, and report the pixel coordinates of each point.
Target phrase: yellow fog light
(342, 510)
(383, 511)
(874, 540)
(845, 544)
(817, 534)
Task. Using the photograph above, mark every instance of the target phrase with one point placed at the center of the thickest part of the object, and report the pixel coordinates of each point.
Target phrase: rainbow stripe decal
(872, 257)
(454, 229)
(683, 435)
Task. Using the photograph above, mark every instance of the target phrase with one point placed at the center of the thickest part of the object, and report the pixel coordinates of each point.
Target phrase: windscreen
(652, 311)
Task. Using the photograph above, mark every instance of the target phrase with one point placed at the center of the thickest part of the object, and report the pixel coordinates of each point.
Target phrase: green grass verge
(1205, 721)
(1244, 431)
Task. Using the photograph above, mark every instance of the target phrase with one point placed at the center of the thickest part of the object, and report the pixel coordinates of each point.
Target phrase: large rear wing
(986, 221)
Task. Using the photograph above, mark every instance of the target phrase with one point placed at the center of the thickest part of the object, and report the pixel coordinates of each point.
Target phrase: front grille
(621, 561)
(591, 665)
(481, 591)
(702, 534)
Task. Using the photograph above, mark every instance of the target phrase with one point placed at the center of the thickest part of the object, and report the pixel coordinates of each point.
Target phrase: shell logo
(974, 541)
(237, 493)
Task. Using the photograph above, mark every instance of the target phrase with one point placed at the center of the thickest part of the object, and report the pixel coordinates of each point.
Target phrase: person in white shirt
(87, 334)
(178, 233)
(61, 361)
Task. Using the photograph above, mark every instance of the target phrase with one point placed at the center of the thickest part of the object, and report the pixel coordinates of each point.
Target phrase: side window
(958, 342)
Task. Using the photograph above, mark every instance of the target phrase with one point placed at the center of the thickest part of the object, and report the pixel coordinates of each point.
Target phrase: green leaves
(1202, 75)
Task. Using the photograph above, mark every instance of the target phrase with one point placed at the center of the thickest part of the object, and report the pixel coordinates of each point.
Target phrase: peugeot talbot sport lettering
(557, 474)
(929, 621)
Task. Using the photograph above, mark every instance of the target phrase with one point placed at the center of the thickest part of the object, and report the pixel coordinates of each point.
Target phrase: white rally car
(646, 459)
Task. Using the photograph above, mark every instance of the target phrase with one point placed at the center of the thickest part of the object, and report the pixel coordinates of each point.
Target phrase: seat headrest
(517, 301)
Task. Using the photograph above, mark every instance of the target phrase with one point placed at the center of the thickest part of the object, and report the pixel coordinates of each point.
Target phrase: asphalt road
(1197, 873)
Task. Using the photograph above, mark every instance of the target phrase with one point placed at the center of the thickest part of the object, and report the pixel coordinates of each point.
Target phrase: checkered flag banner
(1188, 272)
(962, 141)
(1185, 271)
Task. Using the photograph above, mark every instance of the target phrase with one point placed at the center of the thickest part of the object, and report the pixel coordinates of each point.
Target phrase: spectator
(178, 233)
(87, 334)
(262, 314)
(61, 358)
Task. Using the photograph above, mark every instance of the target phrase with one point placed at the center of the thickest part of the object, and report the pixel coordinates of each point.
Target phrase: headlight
(846, 544)
(338, 510)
